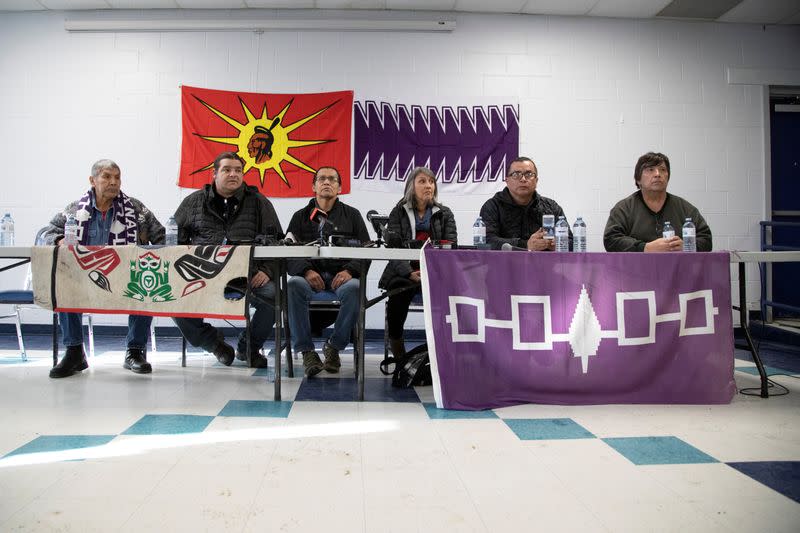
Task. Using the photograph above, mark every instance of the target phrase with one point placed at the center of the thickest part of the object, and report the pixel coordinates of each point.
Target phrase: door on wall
(785, 191)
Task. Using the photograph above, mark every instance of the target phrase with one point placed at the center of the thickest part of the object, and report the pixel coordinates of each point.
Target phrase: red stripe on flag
(283, 138)
(94, 311)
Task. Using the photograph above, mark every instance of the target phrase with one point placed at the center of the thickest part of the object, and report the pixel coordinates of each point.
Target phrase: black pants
(397, 305)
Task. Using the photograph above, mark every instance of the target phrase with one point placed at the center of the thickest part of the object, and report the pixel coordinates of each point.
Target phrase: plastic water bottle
(479, 233)
(71, 230)
(669, 231)
(171, 237)
(689, 238)
(548, 222)
(562, 235)
(579, 235)
(7, 230)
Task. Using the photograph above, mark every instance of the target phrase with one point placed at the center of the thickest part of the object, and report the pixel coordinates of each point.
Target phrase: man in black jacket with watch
(514, 215)
(228, 211)
(325, 217)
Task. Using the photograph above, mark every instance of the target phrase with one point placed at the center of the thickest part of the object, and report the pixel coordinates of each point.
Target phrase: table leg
(746, 328)
(55, 338)
(278, 327)
(362, 315)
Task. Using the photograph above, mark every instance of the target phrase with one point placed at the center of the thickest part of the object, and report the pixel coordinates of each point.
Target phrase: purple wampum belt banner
(507, 328)
(468, 147)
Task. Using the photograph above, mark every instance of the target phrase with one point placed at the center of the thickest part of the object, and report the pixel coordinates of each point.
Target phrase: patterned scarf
(123, 229)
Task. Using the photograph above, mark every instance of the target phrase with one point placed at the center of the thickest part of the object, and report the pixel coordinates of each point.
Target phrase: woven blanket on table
(185, 281)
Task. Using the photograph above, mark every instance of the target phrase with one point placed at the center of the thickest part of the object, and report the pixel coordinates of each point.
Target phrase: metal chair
(90, 328)
(321, 302)
(230, 293)
(19, 299)
(235, 294)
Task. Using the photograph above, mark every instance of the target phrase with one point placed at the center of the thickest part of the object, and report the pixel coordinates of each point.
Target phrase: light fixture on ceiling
(122, 25)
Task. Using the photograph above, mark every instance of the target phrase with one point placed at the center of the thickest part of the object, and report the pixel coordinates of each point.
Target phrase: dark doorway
(785, 194)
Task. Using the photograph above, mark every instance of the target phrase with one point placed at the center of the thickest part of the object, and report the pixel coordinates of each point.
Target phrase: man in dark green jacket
(636, 223)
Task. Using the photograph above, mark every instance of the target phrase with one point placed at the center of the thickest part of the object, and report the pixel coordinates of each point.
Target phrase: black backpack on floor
(414, 370)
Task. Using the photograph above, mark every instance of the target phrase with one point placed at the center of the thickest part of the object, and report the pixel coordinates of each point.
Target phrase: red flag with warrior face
(282, 138)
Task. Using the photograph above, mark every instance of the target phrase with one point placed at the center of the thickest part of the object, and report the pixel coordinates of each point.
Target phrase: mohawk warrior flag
(467, 147)
(282, 138)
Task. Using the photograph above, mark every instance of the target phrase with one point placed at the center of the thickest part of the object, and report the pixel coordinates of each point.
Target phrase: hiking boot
(223, 352)
(74, 360)
(312, 363)
(332, 361)
(136, 361)
(256, 359)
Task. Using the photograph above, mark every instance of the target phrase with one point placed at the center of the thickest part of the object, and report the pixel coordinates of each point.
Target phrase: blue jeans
(300, 293)
(206, 336)
(72, 330)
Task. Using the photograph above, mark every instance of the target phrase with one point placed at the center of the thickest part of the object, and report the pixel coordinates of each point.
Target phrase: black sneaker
(332, 361)
(312, 363)
(224, 353)
(257, 360)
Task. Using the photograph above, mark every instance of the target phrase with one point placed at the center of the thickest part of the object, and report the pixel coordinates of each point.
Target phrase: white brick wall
(594, 95)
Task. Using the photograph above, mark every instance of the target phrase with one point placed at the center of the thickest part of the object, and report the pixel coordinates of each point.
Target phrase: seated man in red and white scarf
(105, 216)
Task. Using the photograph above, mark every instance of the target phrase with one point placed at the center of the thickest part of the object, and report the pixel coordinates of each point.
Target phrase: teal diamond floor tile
(13, 361)
(658, 451)
(269, 373)
(168, 424)
(260, 408)
(434, 413)
(771, 370)
(547, 428)
(59, 443)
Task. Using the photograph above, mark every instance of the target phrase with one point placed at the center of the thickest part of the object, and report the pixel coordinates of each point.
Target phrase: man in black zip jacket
(324, 217)
(228, 211)
(514, 215)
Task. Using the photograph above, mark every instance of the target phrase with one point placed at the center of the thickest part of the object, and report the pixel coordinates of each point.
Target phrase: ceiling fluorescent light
(123, 26)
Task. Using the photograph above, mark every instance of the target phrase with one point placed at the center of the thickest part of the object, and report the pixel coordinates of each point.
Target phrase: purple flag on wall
(468, 147)
(506, 328)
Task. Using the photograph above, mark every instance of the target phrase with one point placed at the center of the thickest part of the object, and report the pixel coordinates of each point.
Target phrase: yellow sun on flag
(263, 143)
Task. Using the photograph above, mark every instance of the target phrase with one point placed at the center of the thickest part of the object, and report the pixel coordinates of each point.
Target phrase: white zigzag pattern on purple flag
(461, 144)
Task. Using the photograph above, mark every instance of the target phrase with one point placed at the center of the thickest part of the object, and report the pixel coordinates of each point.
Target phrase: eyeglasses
(518, 175)
(331, 179)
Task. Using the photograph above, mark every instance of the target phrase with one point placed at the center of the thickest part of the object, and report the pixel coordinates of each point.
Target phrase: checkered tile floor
(206, 448)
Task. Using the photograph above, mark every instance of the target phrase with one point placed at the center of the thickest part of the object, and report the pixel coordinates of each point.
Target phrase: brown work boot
(312, 363)
(332, 361)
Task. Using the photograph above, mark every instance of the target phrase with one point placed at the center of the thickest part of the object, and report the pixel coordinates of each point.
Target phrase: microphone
(379, 223)
(318, 216)
(288, 240)
(508, 247)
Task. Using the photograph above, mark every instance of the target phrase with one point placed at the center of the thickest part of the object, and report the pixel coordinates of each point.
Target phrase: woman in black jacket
(415, 219)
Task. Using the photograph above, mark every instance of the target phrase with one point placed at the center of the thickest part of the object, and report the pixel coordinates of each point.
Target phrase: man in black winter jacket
(324, 217)
(514, 215)
(228, 211)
